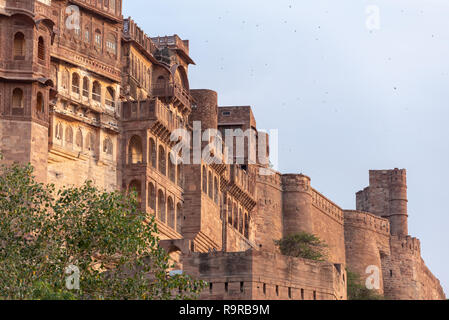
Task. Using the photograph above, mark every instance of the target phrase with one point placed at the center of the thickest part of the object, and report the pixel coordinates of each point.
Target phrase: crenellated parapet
(367, 220)
(270, 177)
(406, 244)
(328, 207)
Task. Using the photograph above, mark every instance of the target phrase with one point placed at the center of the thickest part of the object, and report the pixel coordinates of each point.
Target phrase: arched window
(210, 186)
(230, 212)
(96, 91)
(171, 170)
(90, 143)
(109, 99)
(58, 131)
(153, 156)
(79, 139)
(171, 213)
(162, 161)
(108, 147)
(204, 180)
(135, 186)
(161, 206)
(75, 83)
(216, 190)
(135, 151)
(86, 87)
(235, 216)
(151, 196)
(179, 217)
(40, 102)
(246, 225)
(240, 221)
(87, 34)
(111, 44)
(41, 49)
(180, 175)
(69, 136)
(17, 98)
(65, 79)
(19, 45)
(98, 39)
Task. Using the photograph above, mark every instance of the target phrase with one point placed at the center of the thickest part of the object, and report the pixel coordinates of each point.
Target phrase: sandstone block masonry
(100, 100)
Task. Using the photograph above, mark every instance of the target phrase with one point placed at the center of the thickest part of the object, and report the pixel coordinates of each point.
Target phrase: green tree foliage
(357, 291)
(303, 245)
(104, 234)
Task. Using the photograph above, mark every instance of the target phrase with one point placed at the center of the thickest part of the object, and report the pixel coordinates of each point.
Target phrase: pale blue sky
(345, 100)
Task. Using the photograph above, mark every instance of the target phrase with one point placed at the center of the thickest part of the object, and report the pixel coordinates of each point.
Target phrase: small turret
(297, 204)
(386, 196)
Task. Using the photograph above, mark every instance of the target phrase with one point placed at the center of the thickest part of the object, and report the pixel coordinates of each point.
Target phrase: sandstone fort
(86, 95)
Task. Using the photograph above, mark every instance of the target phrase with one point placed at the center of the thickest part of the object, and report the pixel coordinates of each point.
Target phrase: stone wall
(266, 276)
(406, 277)
(367, 240)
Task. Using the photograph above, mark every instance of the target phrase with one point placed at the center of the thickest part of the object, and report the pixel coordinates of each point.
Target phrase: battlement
(296, 183)
(132, 32)
(174, 43)
(367, 220)
(384, 178)
(262, 275)
(406, 244)
(327, 206)
(270, 177)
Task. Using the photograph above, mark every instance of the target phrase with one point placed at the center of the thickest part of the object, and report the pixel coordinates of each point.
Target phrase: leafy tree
(103, 234)
(303, 245)
(357, 291)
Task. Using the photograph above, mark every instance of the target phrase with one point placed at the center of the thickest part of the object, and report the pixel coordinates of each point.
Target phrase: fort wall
(266, 276)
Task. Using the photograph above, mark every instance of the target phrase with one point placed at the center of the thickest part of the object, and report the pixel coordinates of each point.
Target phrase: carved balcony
(172, 92)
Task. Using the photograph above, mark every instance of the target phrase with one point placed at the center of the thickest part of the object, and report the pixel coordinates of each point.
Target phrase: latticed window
(109, 99)
(86, 87)
(108, 147)
(69, 135)
(41, 49)
(90, 142)
(210, 186)
(96, 91)
(75, 83)
(204, 180)
(111, 44)
(153, 155)
(162, 161)
(161, 206)
(17, 98)
(179, 217)
(58, 131)
(135, 150)
(40, 103)
(19, 45)
(79, 139)
(151, 196)
(87, 35)
(98, 38)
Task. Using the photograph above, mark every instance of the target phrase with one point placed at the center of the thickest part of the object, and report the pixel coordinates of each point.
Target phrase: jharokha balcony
(172, 92)
(163, 121)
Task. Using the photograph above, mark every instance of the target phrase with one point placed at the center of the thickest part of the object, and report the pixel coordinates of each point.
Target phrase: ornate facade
(86, 95)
